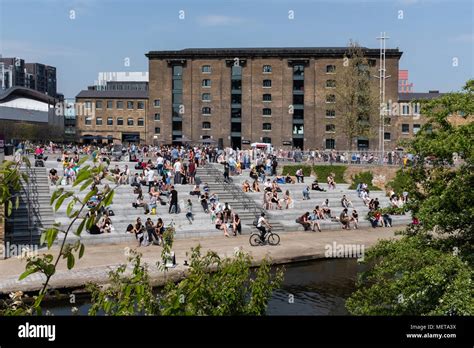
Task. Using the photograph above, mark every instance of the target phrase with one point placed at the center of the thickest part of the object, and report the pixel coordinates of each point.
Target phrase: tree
(356, 97)
(431, 267)
(213, 286)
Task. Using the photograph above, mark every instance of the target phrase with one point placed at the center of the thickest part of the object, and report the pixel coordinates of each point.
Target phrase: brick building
(112, 116)
(238, 96)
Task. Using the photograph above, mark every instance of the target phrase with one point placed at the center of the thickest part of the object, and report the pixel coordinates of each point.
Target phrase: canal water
(309, 288)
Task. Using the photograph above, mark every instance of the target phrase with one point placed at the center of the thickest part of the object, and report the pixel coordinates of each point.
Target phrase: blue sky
(432, 33)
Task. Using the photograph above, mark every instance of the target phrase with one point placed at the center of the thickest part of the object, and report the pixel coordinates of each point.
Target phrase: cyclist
(262, 222)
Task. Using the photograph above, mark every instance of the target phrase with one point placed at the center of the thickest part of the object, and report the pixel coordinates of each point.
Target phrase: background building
(121, 81)
(237, 96)
(112, 116)
(14, 72)
(29, 114)
(404, 85)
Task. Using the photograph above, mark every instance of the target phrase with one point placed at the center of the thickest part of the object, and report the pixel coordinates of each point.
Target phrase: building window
(119, 104)
(330, 113)
(387, 136)
(416, 128)
(236, 99)
(88, 104)
(141, 122)
(206, 83)
(267, 83)
(110, 104)
(330, 144)
(236, 112)
(177, 70)
(331, 128)
(298, 99)
(88, 121)
(388, 121)
(267, 112)
(267, 69)
(98, 104)
(140, 105)
(330, 69)
(129, 105)
(98, 121)
(157, 103)
(330, 98)
(120, 121)
(267, 127)
(298, 70)
(405, 128)
(330, 83)
(236, 70)
(298, 129)
(157, 117)
(206, 69)
(129, 121)
(266, 140)
(416, 109)
(110, 121)
(405, 109)
(267, 97)
(206, 97)
(206, 125)
(157, 130)
(206, 110)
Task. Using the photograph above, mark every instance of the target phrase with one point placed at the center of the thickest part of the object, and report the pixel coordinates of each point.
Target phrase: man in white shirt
(150, 175)
(159, 164)
(177, 170)
(262, 222)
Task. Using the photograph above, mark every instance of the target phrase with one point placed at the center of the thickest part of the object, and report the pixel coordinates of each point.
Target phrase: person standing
(173, 201)
(150, 178)
(226, 171)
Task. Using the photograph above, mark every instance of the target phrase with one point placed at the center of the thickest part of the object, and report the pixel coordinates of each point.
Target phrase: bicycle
(270, 238)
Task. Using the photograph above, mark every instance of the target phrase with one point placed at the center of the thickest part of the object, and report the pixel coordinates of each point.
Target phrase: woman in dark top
(355, 218)
(236, 225)
(150, 228)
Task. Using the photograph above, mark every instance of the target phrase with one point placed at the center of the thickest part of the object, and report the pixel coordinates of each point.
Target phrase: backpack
(255, 222)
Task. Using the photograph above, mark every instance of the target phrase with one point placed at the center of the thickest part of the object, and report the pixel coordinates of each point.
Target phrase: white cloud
(215, 20)
(464, 38)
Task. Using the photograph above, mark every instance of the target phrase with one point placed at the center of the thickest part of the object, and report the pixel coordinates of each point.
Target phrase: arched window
(206, 110)
(267, 83)
(267, 112)
(330, 98)
(266, 140)
(206, 83)
(267, 126)
(206, 125)
(206, 69)
(267, 68)
(206, 96)
(330, 128)
(330, 83)
(330, 144)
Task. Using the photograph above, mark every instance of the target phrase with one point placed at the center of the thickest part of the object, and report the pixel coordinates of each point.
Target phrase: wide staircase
(34, 213)
(201, 227)
(287, 217)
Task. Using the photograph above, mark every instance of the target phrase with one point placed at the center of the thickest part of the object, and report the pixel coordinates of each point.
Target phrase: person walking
(174, 208)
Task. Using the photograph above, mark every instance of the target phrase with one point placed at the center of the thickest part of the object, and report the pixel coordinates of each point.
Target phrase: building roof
(113, 94)
(418, 96)
(23, 92)
(289, 52)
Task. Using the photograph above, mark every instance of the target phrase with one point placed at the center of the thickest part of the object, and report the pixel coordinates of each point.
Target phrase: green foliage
(430, 270)
(410, 277)
(402, 182)
(291, 169)
(322, 172)
(10, 182)
(216, 286)
(126, 294)
(363, 177)
(213, 286)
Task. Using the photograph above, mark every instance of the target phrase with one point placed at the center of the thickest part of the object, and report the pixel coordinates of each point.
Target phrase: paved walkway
(98, 260)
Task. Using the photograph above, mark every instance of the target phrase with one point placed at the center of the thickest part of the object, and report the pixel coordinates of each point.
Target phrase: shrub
(366, 178)
(402, 182)
(293, 168)
(322, 172)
